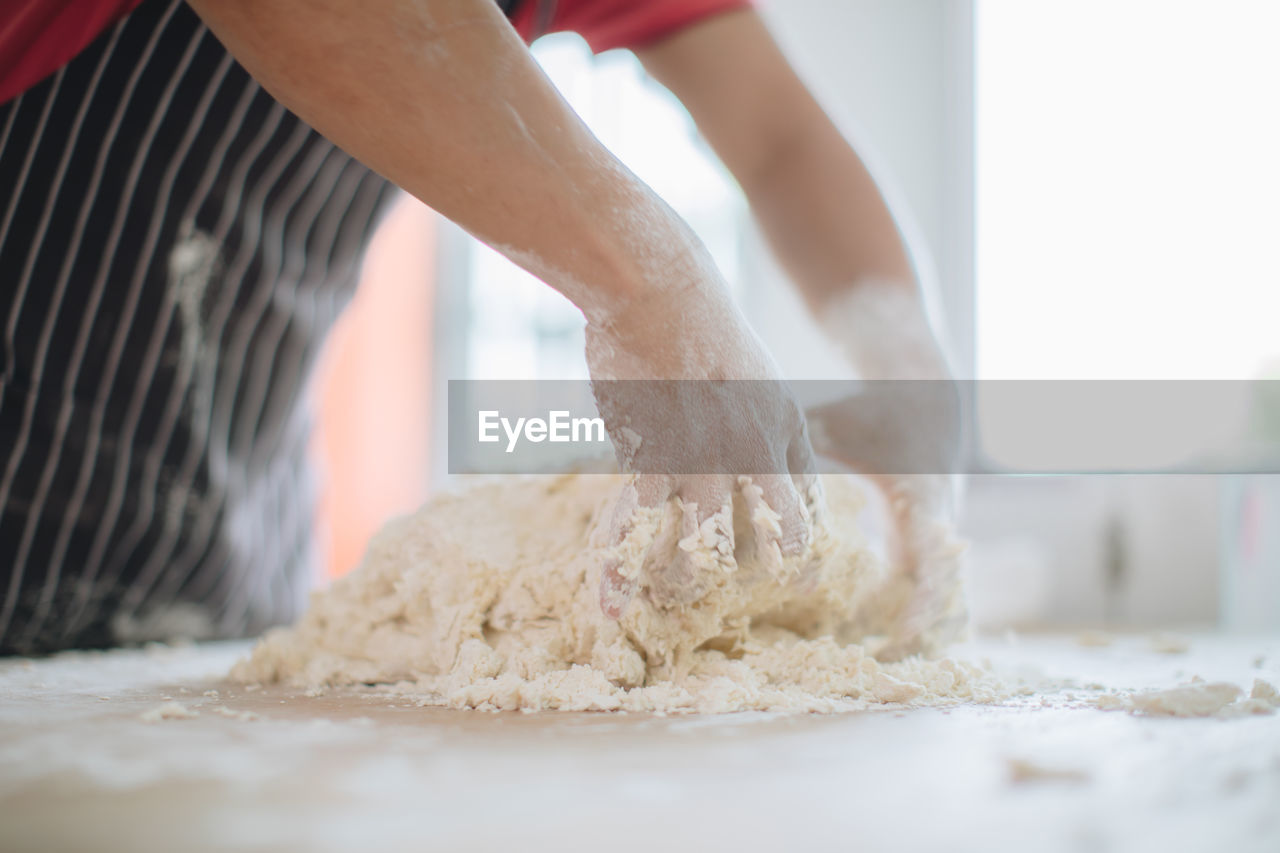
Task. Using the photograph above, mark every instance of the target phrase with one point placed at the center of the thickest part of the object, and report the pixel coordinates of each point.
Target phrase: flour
(1024, 771)
(1167, 644)
(1193, 700)
(234, 714)
(168, 711)
(489, 599)
(1197, 699)
(1094, 639)
(1264, 691)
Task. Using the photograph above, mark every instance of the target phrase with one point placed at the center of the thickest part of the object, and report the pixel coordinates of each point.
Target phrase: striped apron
(173, 246)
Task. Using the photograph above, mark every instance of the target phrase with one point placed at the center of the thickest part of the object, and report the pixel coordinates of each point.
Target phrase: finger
(802, 463)
(821, 430)
(937, 611)
(704, 549)
(708, 517)
(766, 526)
(645, 491)
(709, 493)
(677, 579)
(629, 542)
(652, 490)
(793, 518)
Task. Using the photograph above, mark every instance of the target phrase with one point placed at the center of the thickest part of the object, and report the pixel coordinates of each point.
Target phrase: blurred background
(1092, 191)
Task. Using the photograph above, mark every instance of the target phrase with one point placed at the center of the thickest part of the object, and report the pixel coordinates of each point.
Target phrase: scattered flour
(232, 713)
(168, 711)
(1025, 771)
(1094, 639)
(1196, 699)
(1111, 702)
(489, 599)
(1192, 700)
(1167, 644)
(1265, 692)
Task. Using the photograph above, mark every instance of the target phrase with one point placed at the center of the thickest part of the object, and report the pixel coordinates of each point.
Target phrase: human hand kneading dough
(698, 413)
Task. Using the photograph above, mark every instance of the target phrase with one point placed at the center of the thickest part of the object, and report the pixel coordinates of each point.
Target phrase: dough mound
(488, 599)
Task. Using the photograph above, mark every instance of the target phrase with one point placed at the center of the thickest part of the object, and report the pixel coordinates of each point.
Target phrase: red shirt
(37, 37)
(607, 24)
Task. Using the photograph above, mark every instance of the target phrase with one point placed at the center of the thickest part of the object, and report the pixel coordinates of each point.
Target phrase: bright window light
(1128, 189)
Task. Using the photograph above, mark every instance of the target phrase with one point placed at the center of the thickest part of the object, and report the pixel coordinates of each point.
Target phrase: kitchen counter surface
(92, 756)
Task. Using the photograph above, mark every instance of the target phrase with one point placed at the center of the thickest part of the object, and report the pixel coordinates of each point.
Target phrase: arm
(818, 205)
(441, 97)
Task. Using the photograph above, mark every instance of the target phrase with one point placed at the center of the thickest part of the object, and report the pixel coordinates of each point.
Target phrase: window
(1128, 189)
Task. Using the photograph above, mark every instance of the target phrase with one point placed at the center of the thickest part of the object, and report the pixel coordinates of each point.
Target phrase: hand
(700, 418)
(904, 454)
(904, 433)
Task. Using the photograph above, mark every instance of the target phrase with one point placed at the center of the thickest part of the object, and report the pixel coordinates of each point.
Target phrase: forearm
(829, 225)
(824, 216)
(817, 203)
(441, 97)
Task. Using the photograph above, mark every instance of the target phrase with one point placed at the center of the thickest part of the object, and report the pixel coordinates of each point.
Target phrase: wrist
(883, 329)
(628, 249)
(680, 330)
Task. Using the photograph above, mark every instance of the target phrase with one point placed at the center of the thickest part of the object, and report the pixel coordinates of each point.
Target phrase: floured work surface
(86, 764)
(490, 599)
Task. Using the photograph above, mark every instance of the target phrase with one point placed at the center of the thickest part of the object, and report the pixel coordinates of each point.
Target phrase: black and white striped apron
(173, 246)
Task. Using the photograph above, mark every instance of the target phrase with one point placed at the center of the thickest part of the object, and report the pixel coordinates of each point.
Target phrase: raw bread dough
(489, 599)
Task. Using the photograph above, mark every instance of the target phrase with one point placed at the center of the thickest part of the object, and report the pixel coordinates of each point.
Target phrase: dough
(168, 711)
(1196, 699)
(489, 599)
(1023, 771)
(1201, 699)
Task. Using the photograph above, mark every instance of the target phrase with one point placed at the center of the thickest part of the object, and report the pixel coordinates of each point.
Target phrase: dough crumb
(1024, 771)
(1194, 700)
(168, 711)
(232, 713)
(1167, 644)
(1111, 702)
(1264, 691)
(1094, 639)
(489, 600)
(1255, 706)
